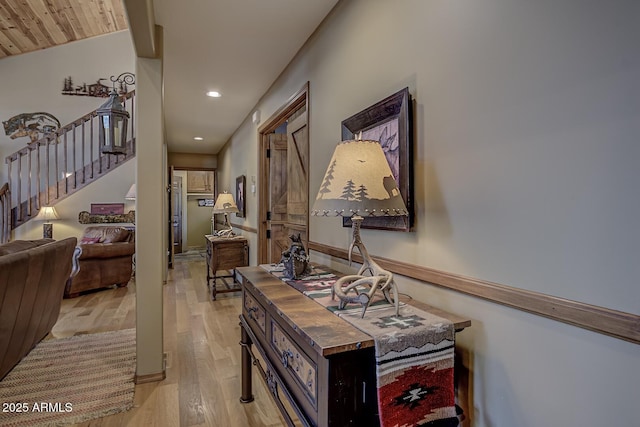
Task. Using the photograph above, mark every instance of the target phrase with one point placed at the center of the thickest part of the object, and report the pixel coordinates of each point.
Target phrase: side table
(225, 253)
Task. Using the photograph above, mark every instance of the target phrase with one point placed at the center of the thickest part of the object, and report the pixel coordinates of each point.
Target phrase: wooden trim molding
(245, 228)
(240, 226)
(150, 378)
(618, 324)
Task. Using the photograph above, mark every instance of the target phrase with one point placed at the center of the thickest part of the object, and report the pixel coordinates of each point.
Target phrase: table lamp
(224, 205)
(46, 214)
(359, 183)
(131, 194)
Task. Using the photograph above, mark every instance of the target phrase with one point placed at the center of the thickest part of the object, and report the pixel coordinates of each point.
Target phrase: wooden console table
(225, 253)
(315, 363)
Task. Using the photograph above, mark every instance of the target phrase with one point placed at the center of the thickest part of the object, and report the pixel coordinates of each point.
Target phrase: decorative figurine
(295, 259)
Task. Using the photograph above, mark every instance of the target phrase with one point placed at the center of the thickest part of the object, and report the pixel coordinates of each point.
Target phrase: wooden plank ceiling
(29, 25)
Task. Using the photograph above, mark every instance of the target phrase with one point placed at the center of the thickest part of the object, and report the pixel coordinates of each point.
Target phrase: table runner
(414, 354)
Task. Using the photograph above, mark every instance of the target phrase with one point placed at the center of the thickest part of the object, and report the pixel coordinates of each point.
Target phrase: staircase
(56, 166)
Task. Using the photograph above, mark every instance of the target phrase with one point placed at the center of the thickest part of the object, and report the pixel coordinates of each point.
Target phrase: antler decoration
(379, 279)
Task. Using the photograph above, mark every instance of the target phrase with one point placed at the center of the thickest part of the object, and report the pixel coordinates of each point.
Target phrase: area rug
(71, 380)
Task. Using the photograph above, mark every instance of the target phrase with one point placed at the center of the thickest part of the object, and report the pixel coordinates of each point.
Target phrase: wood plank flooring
(201, 338)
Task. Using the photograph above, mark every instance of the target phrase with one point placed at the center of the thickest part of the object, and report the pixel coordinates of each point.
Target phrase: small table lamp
(225, 205)
(46, 214)
(359, 183)
(131, 194)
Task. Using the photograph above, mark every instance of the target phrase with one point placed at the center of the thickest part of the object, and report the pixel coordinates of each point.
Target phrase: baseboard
(150, 378)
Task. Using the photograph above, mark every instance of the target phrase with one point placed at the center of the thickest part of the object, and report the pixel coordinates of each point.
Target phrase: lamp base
(47, 231)
(379, 279)
(228, 231)
(225, 233)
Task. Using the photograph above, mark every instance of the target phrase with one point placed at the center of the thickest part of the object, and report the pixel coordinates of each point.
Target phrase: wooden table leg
(245, 342)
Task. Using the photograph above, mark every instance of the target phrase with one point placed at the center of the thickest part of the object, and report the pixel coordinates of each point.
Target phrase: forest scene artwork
(387, 134)
(389, 122)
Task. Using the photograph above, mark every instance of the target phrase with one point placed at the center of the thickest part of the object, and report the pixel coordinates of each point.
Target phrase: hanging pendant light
(114, 119)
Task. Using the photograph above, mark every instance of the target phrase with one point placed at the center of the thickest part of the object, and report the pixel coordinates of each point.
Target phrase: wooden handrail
(5, 213)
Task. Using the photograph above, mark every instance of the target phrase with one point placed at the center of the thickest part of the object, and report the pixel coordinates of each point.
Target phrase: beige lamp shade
(225, 204)
(131, 194)
(46, 214)
(359, 181)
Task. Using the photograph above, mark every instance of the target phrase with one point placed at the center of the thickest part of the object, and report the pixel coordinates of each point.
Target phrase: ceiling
(235, 47)
(29, 25)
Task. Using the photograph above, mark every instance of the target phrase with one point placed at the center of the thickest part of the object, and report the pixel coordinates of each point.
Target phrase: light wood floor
(201, 338)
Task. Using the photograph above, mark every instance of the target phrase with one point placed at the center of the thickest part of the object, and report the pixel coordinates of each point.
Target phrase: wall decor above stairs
(33, 125)
(85, 217)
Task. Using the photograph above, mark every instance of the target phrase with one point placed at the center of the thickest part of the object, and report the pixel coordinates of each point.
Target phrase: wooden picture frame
(107, 208)
(241, 192)
(390, 120)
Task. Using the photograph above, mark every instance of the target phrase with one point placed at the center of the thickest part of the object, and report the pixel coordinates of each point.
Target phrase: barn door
(297, 179)
(277, 213)
(288, 188)
(284, 163)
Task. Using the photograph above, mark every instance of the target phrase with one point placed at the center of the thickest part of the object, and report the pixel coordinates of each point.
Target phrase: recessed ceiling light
(214, 94)
(198, 138)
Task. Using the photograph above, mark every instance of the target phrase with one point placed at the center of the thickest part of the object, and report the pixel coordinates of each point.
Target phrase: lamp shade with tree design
(225, 205)
(359, 183)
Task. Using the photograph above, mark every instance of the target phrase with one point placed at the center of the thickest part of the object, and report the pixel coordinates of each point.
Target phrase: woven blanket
(414, 355)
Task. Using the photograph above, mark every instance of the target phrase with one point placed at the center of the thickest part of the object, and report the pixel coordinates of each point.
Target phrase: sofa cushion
(107, 250)
(22, 245)
(114, 235)
(106, 234)
(89, 240)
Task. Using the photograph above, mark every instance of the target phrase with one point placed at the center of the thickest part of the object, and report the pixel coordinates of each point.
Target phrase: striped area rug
(71, 380)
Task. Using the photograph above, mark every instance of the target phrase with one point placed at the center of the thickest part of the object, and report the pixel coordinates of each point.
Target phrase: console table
(225, 253)
(315, 363)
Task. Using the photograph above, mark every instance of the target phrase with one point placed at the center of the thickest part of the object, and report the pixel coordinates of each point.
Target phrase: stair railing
(60, 163)
(5, 213)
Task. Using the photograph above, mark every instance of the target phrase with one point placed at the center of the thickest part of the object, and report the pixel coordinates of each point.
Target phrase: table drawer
(296, 362)
(229, 255)
(254, 311)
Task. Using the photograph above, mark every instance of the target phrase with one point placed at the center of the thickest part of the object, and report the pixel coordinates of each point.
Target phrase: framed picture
(107, 208)
(240, 192)
(389, 122)
(206, 203)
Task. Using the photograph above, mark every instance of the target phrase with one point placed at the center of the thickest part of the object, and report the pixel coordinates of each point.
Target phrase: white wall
(196, 220)
(33, 82)
(527, 122)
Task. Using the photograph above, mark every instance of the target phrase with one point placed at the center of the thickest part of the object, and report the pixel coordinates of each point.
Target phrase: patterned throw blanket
(414, 355)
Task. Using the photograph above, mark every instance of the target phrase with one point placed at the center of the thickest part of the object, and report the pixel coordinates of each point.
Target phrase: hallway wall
(527, 124)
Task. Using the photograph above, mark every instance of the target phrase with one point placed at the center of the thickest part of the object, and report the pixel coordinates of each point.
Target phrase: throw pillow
(89, 240)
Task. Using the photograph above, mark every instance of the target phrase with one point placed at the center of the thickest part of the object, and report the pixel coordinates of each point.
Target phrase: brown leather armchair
(106, 259)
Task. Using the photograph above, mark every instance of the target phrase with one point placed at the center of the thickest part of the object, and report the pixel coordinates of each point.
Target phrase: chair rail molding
(618, 324)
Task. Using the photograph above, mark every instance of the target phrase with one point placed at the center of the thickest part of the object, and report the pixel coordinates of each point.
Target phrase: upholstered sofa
(33, 274)
(106, 254)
